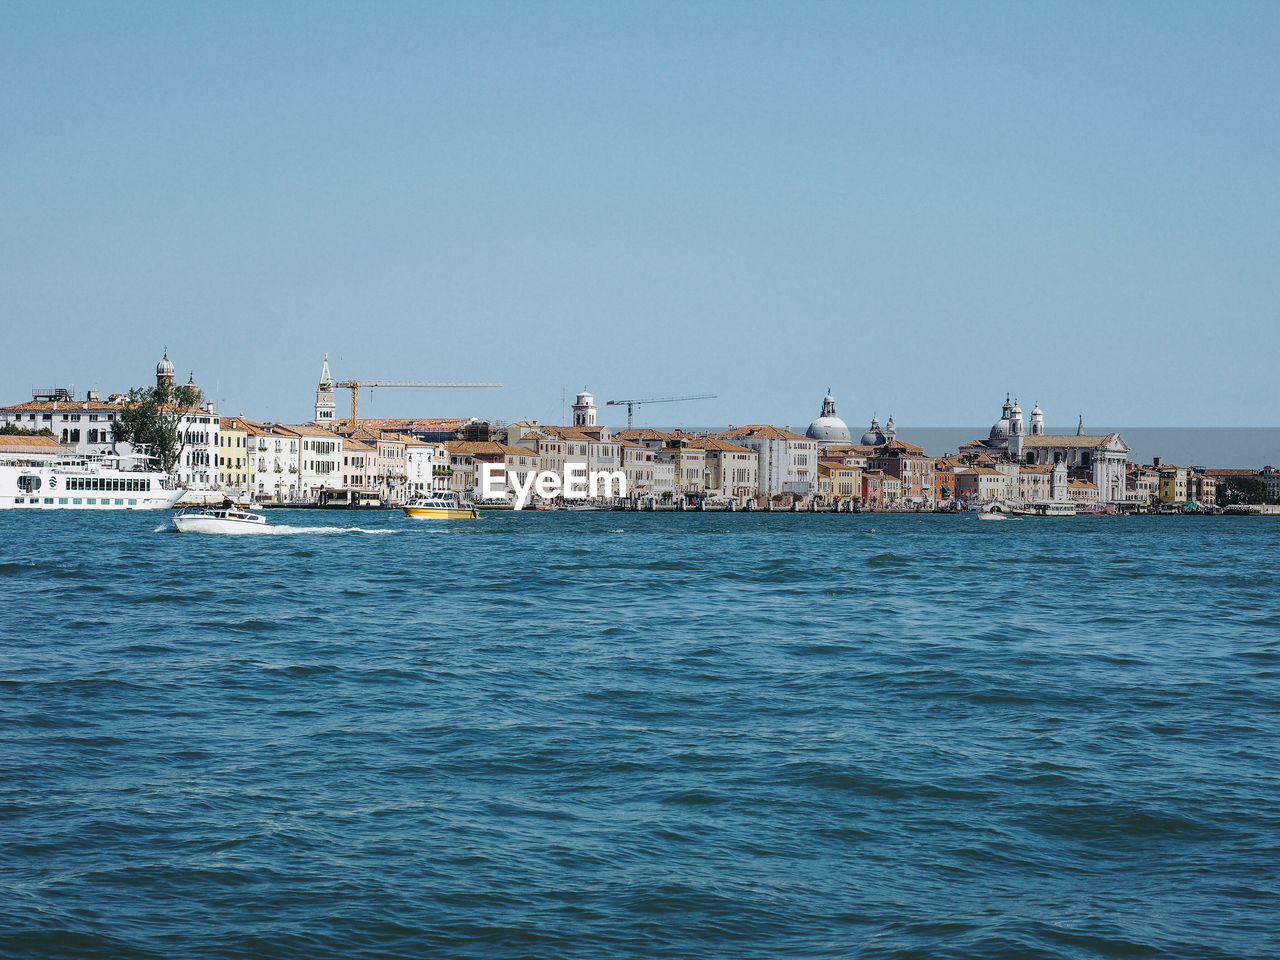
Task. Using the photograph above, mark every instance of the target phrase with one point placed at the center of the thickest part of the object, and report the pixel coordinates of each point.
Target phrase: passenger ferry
(441, 506)
(41, 481)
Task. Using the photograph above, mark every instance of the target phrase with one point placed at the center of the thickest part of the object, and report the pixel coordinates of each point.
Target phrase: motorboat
(445, 505)
(220, 520)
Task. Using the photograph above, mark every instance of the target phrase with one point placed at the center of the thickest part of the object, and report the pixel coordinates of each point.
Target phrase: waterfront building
(838, 483)
(319, 459)
(82, 426)
(593, 444)
(944, 478)
(914, 471)
(828, 429)
(1269, 476)
(426, 467)
(1035, 483)
(235, 468)
(1173, 483)
(548, 450)
(732, 471)
(1083, 493)
(358, 459)
(1202, 489)
(637, 467)
(467, 456)
(1099, 458)
(981, 484)
(786, 461)
(872, 490)
(274, 452)
(199, 445)
(1142, 484)
(688, 460)
(664, 479)
(891, 490)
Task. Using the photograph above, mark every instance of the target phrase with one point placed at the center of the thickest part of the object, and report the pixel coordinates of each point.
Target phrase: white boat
(1052, 508)
(220, 520)
(47, 481)
(588, 506)
(992, 515)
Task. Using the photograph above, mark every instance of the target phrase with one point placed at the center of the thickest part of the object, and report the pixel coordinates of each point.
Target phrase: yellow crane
(355, 385)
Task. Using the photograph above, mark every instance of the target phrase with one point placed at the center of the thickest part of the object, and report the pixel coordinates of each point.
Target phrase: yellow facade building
(235, 466)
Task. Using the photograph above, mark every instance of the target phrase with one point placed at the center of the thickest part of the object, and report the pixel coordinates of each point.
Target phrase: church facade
(1101, 459)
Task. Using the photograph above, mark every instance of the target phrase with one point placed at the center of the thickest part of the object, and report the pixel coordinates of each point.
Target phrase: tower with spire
(325, 407)
(164, 372)
(1037, 421)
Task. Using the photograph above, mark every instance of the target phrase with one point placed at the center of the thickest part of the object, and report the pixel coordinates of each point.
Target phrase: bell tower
(584, 410)
(325, 407)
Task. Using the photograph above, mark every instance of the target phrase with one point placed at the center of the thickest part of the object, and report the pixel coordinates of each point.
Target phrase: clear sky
(920, 206)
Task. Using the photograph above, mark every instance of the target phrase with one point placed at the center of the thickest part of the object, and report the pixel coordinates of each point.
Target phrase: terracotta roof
(1088, 441)
(764, 431)
(643, 433)
(307, 430)
(479, 448)
(68, 405)
(591, 434)
(707, 442)
(23, 444)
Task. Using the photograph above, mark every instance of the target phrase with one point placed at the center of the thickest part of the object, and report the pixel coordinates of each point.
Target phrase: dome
(999, 430)
(873, 437)
(1036, 411)
(191, 382)
(165, 367)
(829, 428)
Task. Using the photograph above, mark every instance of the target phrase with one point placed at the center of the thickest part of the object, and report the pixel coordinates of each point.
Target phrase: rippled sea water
(604, 735)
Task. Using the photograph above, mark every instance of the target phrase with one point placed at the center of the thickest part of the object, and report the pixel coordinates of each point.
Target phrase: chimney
(1156, 462)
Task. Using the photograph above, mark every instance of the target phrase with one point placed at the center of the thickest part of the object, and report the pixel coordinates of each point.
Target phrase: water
(605, 735)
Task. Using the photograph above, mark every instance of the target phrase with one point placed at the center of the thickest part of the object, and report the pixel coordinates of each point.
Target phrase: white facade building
(788, 462)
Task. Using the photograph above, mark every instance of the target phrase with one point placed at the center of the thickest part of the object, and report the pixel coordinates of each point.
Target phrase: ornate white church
(1099, 458)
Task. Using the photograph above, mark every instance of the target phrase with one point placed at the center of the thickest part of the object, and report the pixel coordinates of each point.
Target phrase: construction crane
(632, 404)
(355, 385)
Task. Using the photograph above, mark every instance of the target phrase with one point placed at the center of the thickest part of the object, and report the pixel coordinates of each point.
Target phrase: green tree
(149, 419)
(1241, 490)
(13, 430)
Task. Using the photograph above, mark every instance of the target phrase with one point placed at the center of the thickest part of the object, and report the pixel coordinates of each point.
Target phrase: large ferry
(43, 481)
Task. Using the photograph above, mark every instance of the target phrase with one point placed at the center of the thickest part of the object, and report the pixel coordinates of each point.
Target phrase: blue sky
(920, 206)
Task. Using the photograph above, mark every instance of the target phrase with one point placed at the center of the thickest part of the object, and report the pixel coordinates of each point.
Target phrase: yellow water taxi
(441, 506)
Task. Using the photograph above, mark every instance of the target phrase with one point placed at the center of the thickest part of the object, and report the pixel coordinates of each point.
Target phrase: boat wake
(280, 530)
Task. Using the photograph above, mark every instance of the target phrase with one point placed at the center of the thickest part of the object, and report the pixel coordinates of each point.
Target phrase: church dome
(829, 428)
(165, 367)
(999, 430)
(873, 437)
